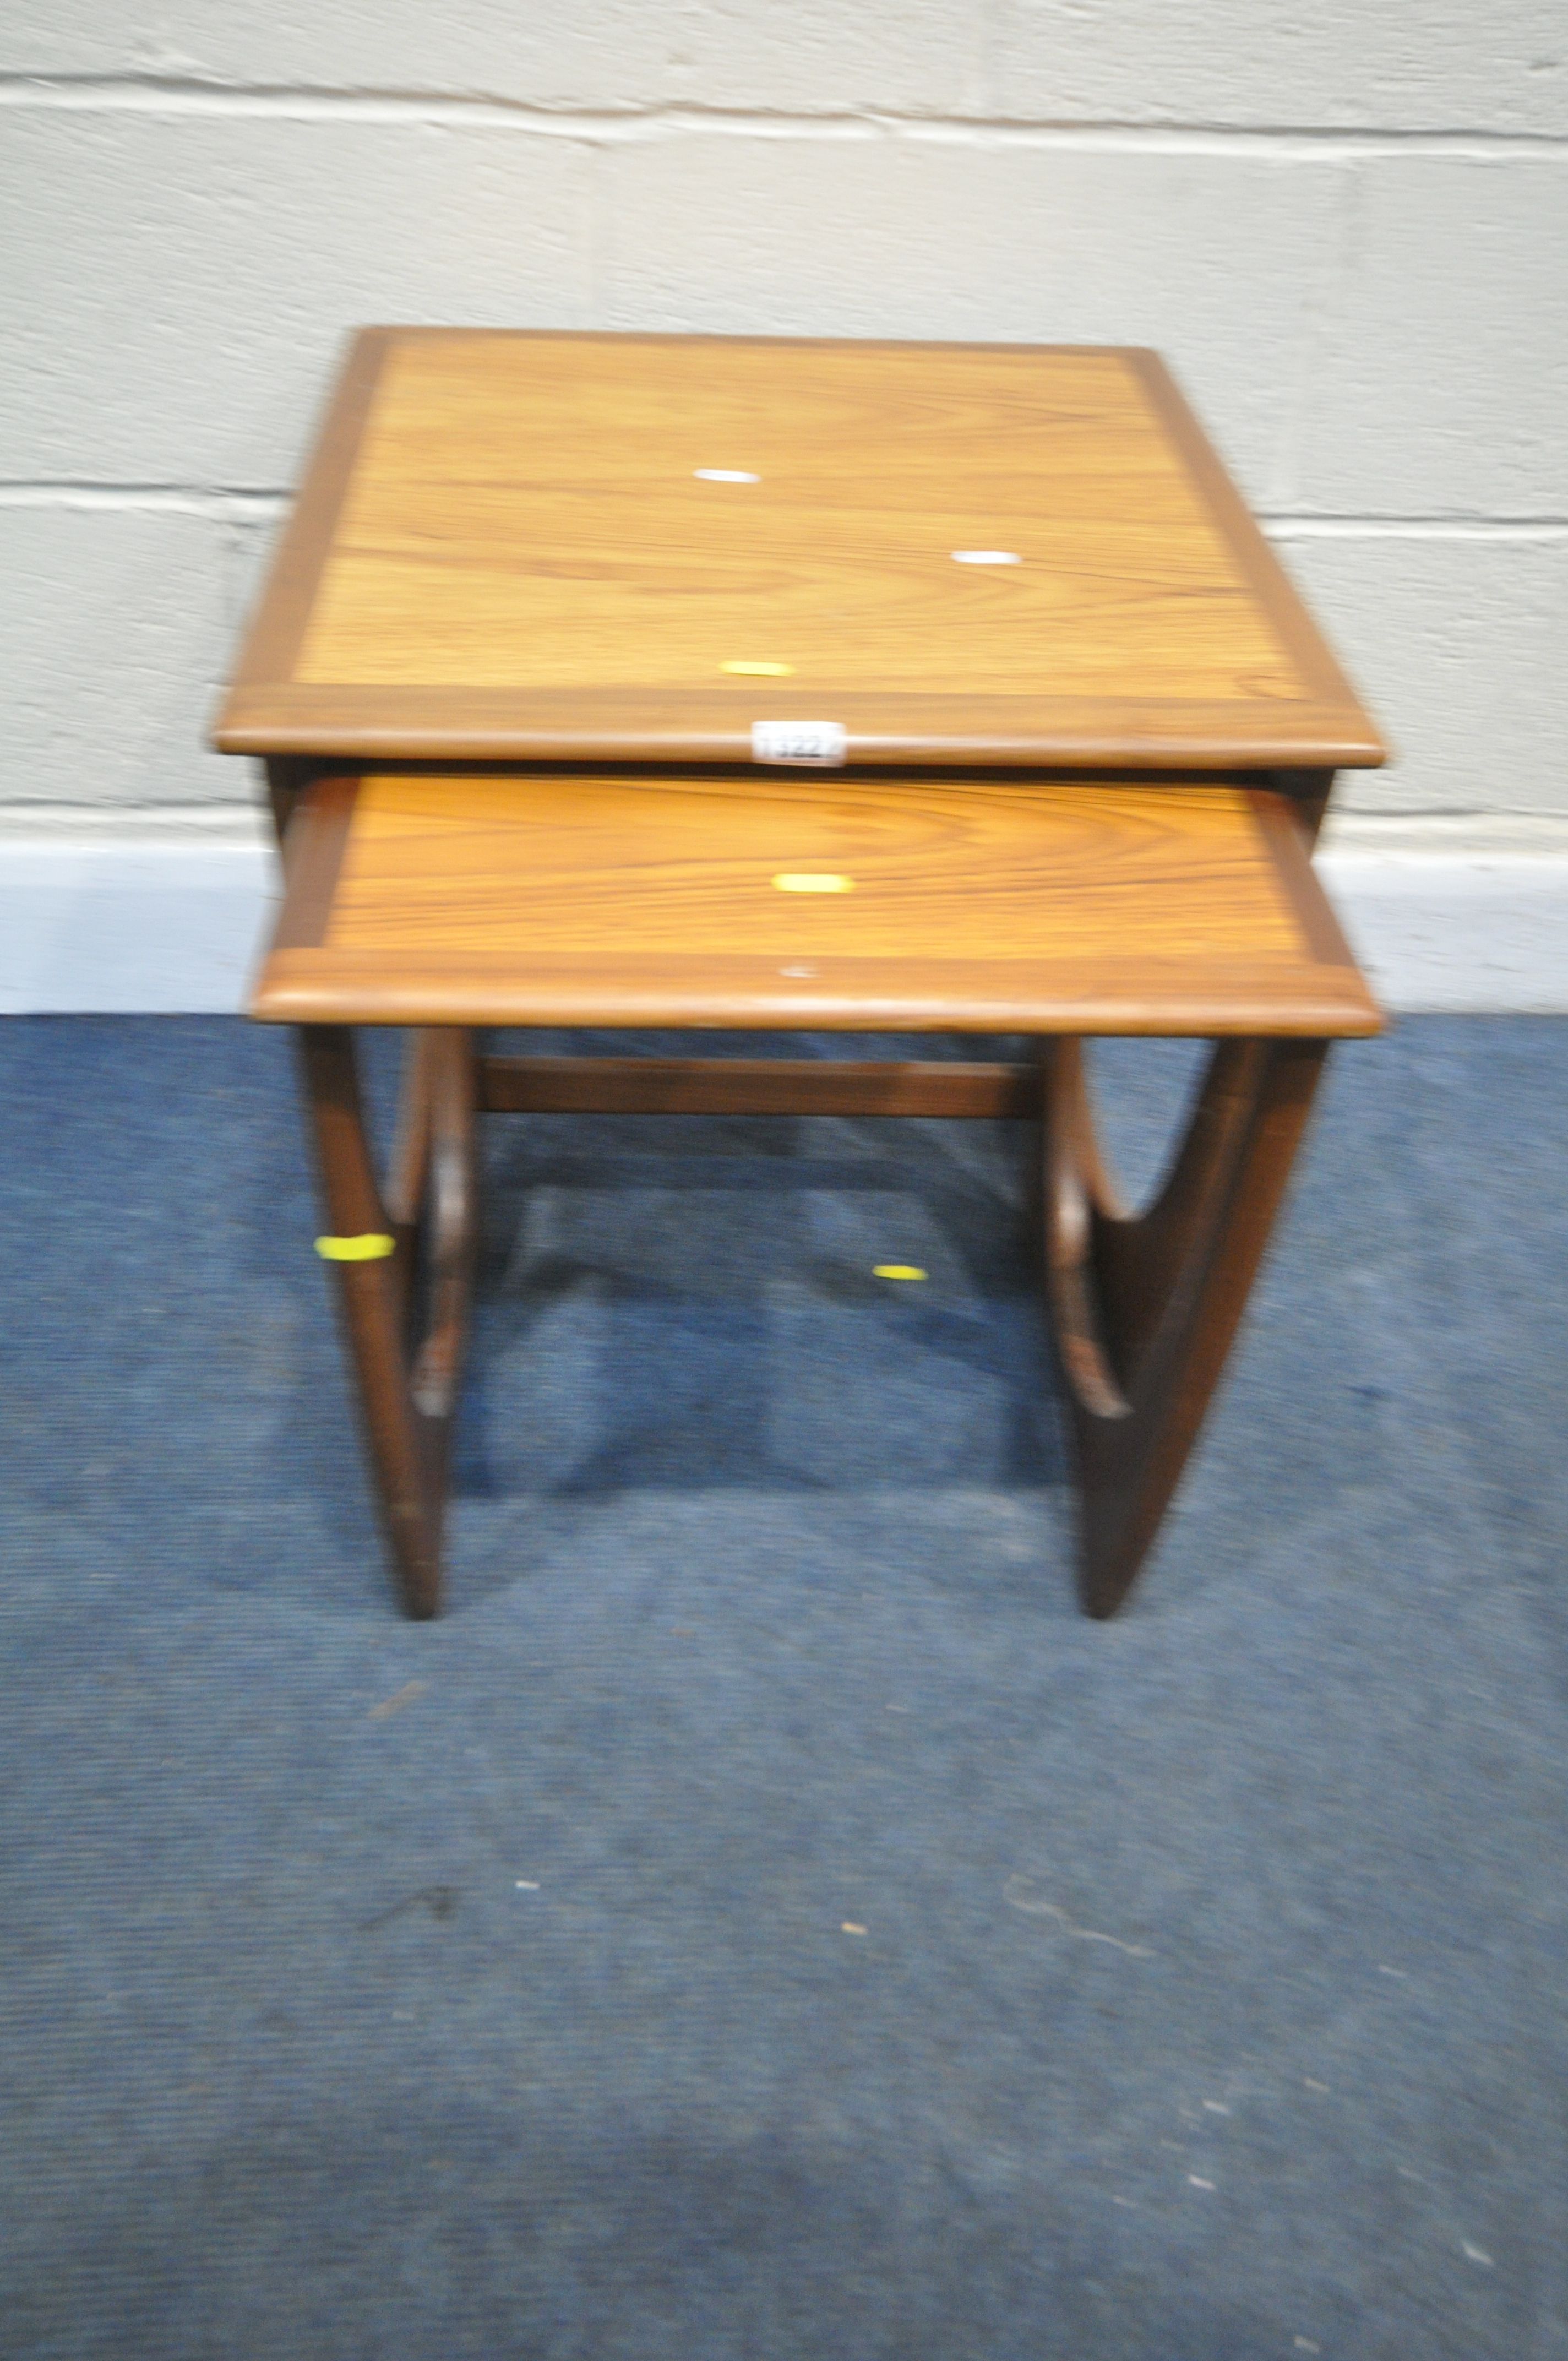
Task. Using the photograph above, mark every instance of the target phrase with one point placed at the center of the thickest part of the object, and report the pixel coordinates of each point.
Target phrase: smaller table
(1052, 907)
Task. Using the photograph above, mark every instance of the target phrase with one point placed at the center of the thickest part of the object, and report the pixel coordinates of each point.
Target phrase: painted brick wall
(1345, 225)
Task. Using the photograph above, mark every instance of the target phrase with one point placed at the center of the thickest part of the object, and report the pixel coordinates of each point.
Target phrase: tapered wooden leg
(1144, 1308)
(407, 1388)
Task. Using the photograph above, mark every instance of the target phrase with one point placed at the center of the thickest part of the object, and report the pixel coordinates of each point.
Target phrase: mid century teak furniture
(682, 681)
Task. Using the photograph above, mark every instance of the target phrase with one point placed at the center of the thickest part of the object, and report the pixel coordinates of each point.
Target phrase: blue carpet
(761, 1918)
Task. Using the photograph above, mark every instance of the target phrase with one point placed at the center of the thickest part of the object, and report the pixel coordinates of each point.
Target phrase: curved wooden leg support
(410, 1167)
(453, 1233)
(408, 1395)
(1144, 1308)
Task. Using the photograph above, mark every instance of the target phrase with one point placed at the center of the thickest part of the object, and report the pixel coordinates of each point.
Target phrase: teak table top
(789, 898)
(516, 547)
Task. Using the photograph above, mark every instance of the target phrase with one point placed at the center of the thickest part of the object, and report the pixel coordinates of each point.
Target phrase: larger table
(559, 628)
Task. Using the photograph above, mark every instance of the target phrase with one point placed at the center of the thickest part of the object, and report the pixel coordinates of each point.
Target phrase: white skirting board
(1473, 933)
(133, 922)
(172, 924)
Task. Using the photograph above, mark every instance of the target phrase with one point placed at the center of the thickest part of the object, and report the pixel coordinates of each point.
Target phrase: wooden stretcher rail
(753, 1086)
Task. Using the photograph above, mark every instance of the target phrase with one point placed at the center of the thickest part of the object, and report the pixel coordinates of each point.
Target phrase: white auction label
(801, 742)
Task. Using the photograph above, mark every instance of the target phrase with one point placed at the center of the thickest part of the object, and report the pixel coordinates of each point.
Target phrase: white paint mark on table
(1215, 2108)
(1476, 2254)
(1403, 1974)
(725, 475)
(1305, 2345)
(849, 1928)
(528, 1885)
(1198, 2181)
(987, 557)
(1311, 2085)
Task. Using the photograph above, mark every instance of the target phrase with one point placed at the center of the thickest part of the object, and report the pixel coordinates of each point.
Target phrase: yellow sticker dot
(812, 881)
(898, 1270)
(759, 671)
(371, 1246)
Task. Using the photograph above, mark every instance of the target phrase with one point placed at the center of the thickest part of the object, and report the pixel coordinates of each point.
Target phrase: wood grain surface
(1045, 906)
(516, 546)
